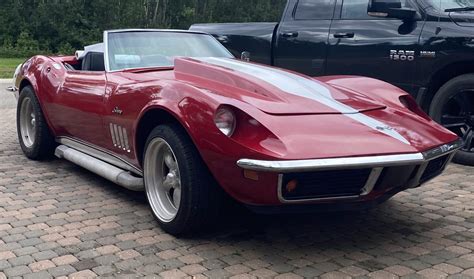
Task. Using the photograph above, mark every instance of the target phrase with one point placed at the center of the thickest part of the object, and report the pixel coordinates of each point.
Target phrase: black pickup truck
(425, 47)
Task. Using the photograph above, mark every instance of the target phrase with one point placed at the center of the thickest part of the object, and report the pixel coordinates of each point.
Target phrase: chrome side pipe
(107, 171)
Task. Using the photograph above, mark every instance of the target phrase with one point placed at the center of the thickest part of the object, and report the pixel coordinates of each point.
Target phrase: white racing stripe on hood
(303, 87)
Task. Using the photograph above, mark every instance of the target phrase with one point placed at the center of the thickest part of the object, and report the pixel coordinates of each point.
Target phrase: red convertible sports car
(175, 114)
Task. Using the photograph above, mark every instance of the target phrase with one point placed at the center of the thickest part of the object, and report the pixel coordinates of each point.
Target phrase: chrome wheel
(162, 180)
(27, 122)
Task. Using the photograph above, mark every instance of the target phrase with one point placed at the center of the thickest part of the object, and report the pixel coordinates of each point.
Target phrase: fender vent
(119, 137)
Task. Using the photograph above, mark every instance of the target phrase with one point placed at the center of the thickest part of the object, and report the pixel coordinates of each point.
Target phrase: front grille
(434, 168)
(325, 184)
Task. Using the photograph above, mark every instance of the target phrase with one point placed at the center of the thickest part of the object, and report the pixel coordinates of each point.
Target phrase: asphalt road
(57, 219)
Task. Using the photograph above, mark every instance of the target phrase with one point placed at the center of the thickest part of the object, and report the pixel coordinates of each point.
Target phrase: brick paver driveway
(59, 220)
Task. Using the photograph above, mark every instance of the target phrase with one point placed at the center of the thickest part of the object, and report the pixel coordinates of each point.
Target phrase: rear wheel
(34, 135)
(453, 107)
(181, 192)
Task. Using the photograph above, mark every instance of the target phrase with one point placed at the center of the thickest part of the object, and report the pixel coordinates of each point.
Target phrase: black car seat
(93, 61)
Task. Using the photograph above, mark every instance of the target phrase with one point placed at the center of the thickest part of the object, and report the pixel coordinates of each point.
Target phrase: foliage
(8, 66)
(60, 26)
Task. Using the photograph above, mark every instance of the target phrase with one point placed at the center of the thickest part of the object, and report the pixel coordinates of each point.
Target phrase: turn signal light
(252, 175)
(291, 185)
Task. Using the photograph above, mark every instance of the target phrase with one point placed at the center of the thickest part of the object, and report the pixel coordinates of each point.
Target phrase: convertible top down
(175, 114)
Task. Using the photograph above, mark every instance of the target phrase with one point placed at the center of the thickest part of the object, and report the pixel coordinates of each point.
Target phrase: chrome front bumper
(350, 162)
(12, 89)
(377, 164)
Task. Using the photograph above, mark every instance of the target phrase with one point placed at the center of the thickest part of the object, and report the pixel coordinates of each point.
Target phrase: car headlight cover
(225, 121)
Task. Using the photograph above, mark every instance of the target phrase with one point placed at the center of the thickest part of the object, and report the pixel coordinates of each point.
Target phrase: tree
(60, 26)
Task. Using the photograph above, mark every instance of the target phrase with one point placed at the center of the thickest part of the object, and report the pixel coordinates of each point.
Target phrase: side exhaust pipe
(107, 171)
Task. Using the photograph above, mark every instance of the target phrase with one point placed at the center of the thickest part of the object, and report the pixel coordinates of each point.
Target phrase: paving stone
(448, 268)
(44, 255)
(26, 251)
(63, 270)
(41, 265)
(64, 260)
(104, 269)
(128, 254)
(23, 260)
(85, 264)
(38, 275)
(17, 271)
(83, 274)
(217, 273)
(432, 273)
(193, 269)
(7, 255)
(4, 264)
(335, 275)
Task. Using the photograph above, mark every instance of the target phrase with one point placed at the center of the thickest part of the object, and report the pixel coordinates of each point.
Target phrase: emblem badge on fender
(385, 128)
(118, 111)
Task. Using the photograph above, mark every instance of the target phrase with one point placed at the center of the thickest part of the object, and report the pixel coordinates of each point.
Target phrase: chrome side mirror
(245, 56)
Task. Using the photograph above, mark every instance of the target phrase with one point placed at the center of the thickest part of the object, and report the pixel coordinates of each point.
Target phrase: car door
(302, 37)
(79, 105)
(382, 48)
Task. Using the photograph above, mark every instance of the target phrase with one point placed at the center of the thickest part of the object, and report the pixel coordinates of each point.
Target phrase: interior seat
(93, 61)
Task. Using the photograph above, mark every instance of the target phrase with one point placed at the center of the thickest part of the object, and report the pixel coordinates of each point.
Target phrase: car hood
(271, 90)
(465, 19)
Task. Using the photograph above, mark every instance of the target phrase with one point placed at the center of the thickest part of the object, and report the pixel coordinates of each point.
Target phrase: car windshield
(144, 49)
(451, 4)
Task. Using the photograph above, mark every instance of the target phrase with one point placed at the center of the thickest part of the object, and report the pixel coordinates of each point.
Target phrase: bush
(65, 49)
(14, 53)
(26, 43)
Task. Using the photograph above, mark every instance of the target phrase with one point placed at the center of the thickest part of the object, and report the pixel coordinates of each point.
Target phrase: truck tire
(453, 107)
(182, 194)
(36, 140)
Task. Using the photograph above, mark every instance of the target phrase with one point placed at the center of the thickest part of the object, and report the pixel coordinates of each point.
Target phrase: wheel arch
(445, 74)
(149, 119)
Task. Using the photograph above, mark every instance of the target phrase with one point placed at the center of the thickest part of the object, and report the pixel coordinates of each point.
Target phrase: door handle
(289, 34)
(344, 35)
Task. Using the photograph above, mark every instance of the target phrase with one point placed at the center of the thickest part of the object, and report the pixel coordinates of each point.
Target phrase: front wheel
(181, 192)
(34, 135)
(453, 107)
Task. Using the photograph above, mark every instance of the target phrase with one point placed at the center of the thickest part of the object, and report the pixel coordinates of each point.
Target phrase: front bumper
(14, 90)
(385, 173)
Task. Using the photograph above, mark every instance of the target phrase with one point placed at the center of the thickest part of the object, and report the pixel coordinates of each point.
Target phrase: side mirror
(245, 56)
(390, 9)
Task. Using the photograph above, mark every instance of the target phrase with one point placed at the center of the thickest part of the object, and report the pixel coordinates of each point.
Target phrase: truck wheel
(34, 135)
(181, 192)
(453, 107)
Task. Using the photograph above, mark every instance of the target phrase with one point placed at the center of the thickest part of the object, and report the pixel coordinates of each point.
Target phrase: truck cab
(425, 47)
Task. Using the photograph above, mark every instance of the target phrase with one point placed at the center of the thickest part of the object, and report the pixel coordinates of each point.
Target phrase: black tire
(201, 197)
(42, 145)
(443, 105)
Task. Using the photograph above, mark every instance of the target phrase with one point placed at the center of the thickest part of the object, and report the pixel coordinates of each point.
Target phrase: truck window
(357, 9)
(315, 9)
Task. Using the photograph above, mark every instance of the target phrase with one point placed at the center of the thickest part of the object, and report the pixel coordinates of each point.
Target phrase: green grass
(8, 66)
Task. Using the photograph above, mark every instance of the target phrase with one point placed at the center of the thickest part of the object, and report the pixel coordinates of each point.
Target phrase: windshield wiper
(461, 9)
